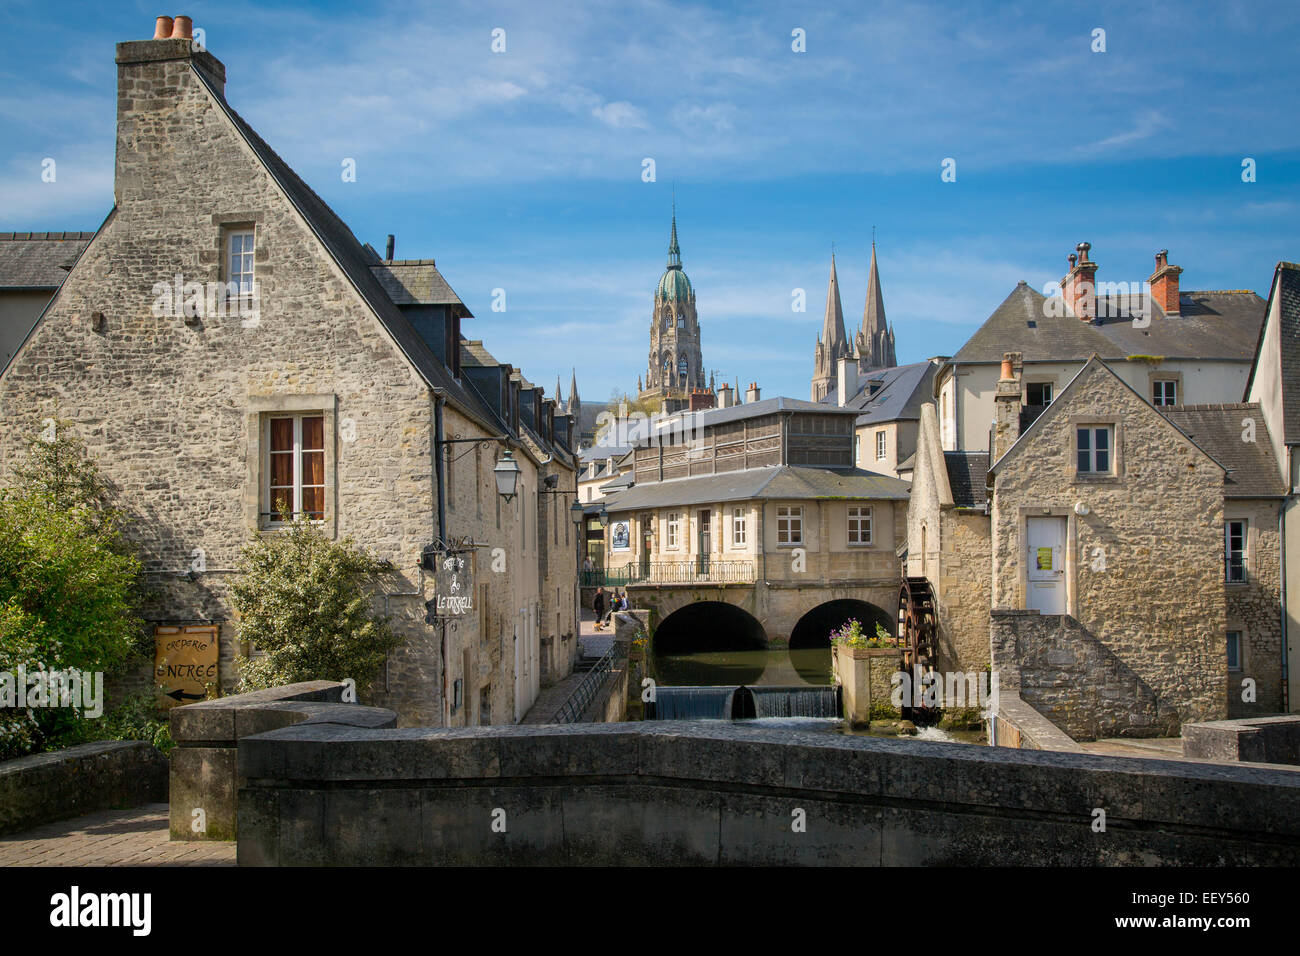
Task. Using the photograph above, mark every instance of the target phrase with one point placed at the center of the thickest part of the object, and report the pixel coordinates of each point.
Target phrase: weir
(804, 701)
(727, 703)
(694, 703)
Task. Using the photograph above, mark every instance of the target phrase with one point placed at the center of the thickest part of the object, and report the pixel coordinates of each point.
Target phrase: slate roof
(1286, 289)
(1212, 325)
(903, 389)
(967, 471)
(355, 261)
(416, 282)
(767, 406)
(786, 482)
(1217, 430)
(39, 260)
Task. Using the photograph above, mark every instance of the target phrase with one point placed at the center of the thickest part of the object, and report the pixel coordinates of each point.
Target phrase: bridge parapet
(705, 793)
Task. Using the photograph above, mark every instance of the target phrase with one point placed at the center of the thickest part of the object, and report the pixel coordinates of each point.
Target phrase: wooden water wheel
(918, 633)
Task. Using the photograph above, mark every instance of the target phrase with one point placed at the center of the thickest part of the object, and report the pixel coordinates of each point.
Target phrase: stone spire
(559, 399)
(833, 336)
(833, 343)
(875, 341)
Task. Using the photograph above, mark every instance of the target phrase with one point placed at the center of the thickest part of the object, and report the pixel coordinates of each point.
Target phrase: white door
(1045, 556)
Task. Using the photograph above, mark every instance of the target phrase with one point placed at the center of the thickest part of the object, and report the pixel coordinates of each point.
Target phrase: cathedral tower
(832, 344)
(675, 365)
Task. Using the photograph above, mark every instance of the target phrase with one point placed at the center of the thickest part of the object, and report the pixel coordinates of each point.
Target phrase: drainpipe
(1281, 540)
(438, 457)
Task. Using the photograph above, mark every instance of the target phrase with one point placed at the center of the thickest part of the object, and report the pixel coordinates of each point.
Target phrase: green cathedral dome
(674, 286)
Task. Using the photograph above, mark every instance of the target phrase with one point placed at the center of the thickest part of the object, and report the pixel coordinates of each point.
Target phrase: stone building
(1274, 384)
(227, 347)
(32, 267)
(889, 401)
(1097, 561)
(757, 512)
(1172, 346)
(675, 366)
(871, 349)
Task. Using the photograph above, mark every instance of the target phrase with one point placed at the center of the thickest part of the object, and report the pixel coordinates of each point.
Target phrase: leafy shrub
(304, 601)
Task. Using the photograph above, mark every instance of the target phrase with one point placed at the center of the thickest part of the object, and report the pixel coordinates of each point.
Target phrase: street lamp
(577, 512)
(507, 474)
(603, 515)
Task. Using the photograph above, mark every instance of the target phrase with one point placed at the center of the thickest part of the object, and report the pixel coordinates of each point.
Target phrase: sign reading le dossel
(453, 586)
(185, 662)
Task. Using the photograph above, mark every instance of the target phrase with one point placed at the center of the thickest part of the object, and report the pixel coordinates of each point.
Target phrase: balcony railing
(671, 572)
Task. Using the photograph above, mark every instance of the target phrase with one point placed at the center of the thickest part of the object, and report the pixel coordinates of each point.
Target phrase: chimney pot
(162, 28)
(183, 29)
(388, 249)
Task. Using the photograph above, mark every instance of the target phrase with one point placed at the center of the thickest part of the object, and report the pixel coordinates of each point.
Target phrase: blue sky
(522, 170)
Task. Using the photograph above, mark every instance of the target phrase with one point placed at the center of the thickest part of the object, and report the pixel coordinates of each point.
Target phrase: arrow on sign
(180, 695)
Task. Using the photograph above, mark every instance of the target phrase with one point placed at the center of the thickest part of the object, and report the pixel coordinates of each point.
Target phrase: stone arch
(813, 629)
(700, 627)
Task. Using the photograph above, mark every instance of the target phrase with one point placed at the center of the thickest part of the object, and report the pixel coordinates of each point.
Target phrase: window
(240, 273)
(681, 322)
(673, 528)
(789, 524)
(1094, 449)
(1038, 393)
(880, 446)
(295, 467)
(1234, 551)
(681, 369)
(738, 527)
(857, 448)
(1234, 650)
(1165, 392)
(859, 525)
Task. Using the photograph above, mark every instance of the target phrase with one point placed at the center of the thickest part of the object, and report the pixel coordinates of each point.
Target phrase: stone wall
(1254, 609)
(1259, 740)
(678, 792)
(81, 779)
(204, 781)
(1144, 565)
(1075, 680)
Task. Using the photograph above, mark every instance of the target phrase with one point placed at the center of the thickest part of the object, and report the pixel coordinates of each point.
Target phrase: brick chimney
(158, 100)
(1006, 406)
(1164, 284)
(701, 398)
(1079, 287)
(751, 393)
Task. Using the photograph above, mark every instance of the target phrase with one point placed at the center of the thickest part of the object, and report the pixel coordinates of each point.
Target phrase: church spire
(559, 399)
(833, 335)
(876, 340)
(674, 250)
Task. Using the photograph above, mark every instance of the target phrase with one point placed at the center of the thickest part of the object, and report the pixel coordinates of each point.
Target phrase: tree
(304, 601)
(621, 408)
(69, 585)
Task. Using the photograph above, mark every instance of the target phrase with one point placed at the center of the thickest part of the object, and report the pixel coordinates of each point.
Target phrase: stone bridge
(776, 607)
(662, 793)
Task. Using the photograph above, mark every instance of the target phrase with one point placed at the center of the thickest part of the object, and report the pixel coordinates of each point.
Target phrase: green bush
(304, 601)
(69, 585)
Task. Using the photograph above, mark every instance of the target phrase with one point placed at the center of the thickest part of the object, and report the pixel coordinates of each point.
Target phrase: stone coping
(707, 755)
(66, 783)
(1253, 739)
(226, 719)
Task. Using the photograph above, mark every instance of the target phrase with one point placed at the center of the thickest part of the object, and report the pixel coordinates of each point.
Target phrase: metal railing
(671, 572)
(571, 710)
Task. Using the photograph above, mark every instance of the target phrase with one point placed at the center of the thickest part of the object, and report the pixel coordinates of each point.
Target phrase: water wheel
(918, 632)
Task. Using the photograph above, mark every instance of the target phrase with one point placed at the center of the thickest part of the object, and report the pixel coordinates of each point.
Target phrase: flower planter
(865, 675)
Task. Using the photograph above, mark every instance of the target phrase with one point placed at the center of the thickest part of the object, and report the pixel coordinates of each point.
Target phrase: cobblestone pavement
(135, 837)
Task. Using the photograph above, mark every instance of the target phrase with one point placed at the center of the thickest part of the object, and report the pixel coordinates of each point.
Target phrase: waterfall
(693, 703)
(811, 701)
